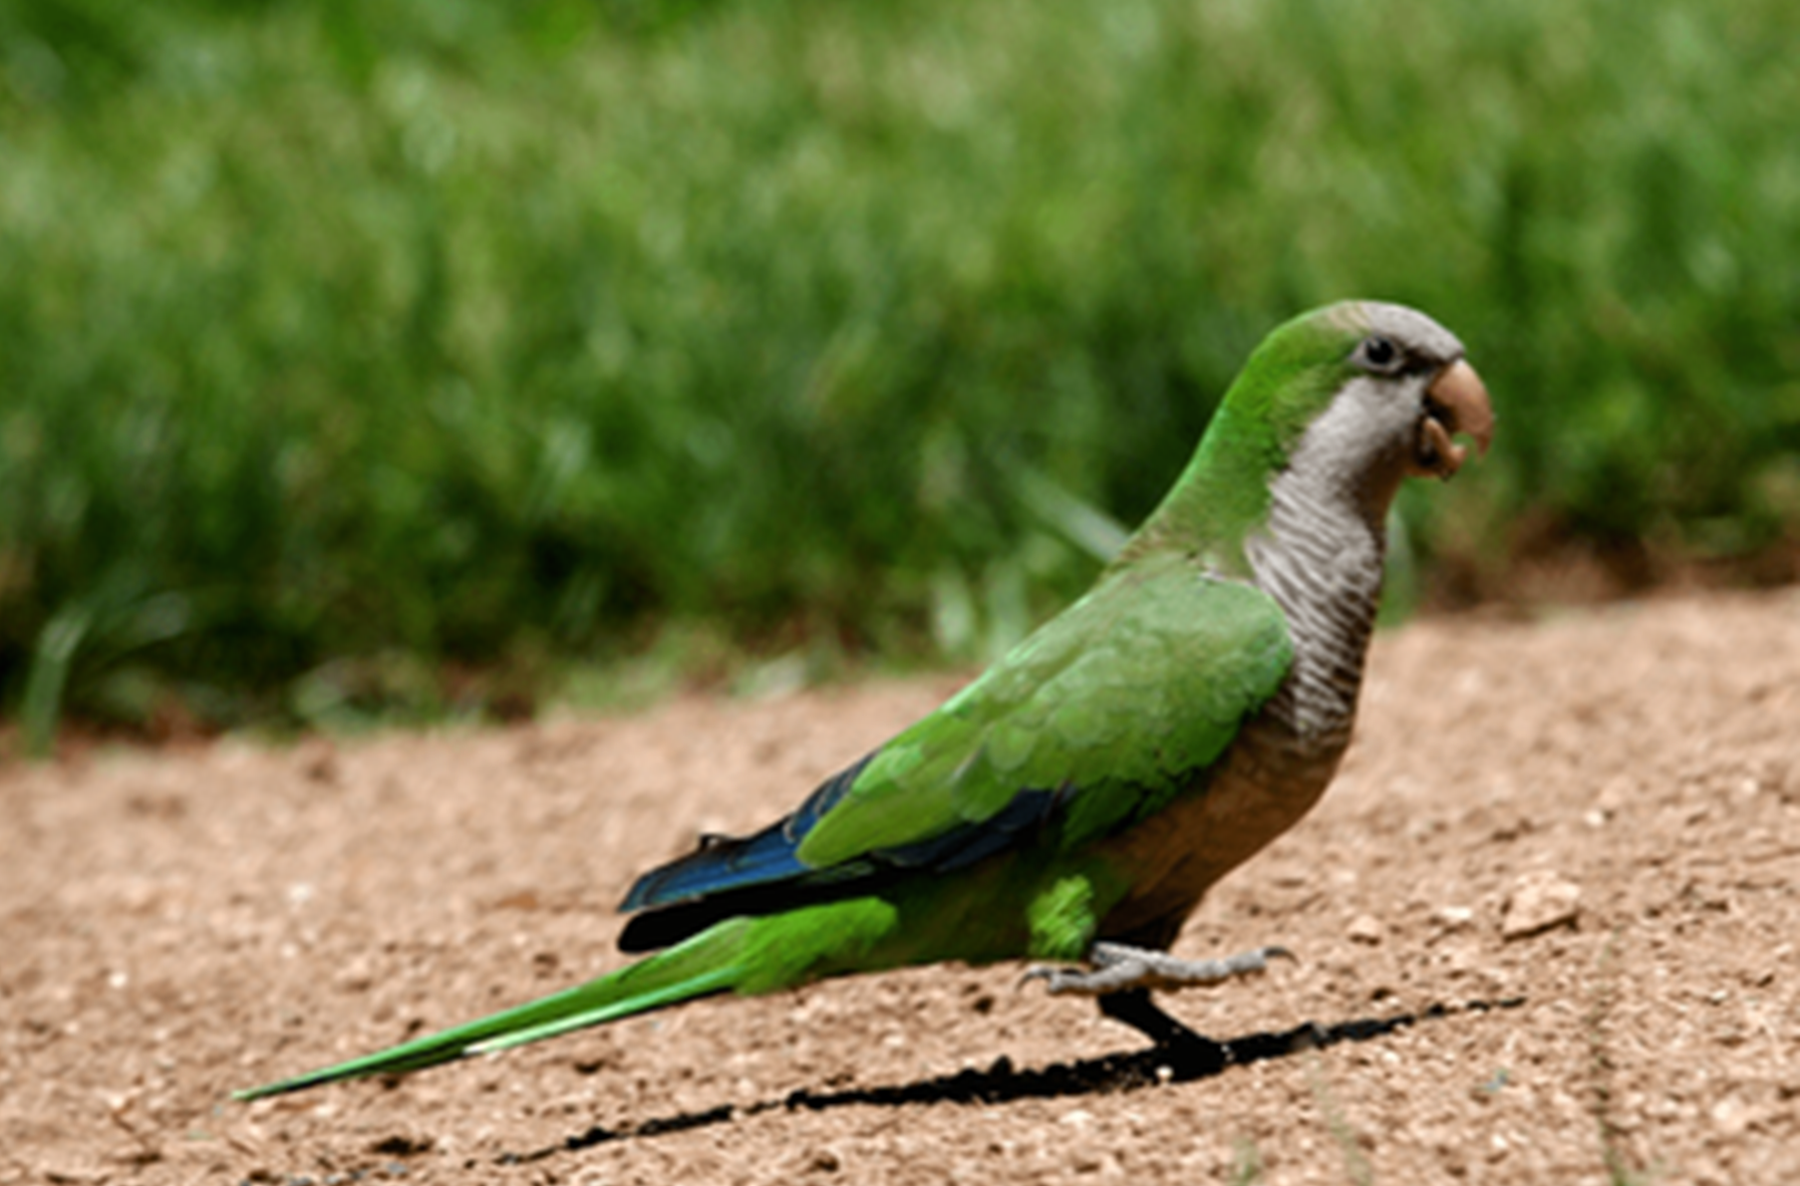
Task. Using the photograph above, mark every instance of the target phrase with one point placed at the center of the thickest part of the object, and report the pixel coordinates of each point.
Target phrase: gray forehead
(1409, 328)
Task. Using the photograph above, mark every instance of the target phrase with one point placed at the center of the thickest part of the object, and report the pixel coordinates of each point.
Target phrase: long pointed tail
(708, 963)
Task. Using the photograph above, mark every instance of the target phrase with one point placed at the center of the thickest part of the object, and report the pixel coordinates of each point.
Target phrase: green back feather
(1117, 704)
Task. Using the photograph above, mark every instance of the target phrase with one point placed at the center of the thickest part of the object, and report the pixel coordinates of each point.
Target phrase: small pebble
(1453, 918)
(1539, 901)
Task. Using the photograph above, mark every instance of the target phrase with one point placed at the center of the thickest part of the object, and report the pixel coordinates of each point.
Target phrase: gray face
(1369, 437)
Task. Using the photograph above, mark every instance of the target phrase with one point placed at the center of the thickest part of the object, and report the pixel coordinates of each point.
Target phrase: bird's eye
(1380, 353)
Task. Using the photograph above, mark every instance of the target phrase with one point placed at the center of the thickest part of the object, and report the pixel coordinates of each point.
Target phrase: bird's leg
(1118, 968)
(1134, 1007)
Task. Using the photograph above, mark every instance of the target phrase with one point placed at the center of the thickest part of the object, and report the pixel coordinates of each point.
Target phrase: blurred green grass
(347, 345)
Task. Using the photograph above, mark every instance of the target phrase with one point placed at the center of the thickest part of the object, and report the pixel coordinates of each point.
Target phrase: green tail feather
(706, 964)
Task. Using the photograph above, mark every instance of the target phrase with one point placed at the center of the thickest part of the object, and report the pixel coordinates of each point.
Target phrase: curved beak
(1455, 403)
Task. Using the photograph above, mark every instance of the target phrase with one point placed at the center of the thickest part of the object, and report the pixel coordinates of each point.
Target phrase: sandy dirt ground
(1547, 923)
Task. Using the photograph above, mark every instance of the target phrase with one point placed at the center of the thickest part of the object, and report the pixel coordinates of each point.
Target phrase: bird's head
(1345, 401)
(1388, 384)
(1362, 394)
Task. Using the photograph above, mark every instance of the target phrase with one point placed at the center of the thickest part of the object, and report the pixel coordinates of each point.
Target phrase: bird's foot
(1118, 968)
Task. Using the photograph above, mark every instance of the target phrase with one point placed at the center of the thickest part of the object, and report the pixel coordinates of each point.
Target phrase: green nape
(1223, 494)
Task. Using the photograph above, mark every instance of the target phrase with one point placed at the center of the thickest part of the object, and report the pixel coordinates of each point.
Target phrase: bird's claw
(1119, 968)
(1050, 975)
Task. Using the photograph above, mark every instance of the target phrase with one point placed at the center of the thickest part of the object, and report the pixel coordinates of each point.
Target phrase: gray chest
(1322, 564)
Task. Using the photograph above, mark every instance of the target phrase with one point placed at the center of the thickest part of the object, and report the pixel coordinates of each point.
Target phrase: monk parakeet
(1073, 803)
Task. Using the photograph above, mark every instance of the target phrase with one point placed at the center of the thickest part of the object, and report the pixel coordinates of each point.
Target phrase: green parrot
(1073, 803)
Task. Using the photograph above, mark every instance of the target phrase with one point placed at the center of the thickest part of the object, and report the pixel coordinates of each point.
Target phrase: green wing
(1113, 706)
(1097, 720)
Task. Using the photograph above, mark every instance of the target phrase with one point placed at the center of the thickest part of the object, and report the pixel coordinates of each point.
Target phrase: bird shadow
(1002, 1082)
